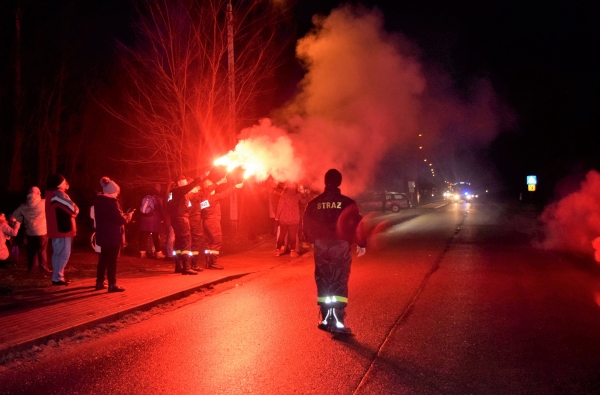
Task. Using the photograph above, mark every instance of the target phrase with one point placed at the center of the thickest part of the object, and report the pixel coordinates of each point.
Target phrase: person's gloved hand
(222, 181)
(239, 185)
(360, 251)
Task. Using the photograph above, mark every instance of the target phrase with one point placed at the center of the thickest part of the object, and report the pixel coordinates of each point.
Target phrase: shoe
(142, 254)
(45, 270)
(294, 254)
(341, 331)
(115, 288)
(214, 266)
(100, 286)
(188, 272)
(277, 252)
(61, 282)
(160, 255)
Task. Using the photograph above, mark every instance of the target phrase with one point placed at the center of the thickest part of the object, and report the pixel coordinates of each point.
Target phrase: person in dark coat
(110, 227)
(332, 222)
(151, 222)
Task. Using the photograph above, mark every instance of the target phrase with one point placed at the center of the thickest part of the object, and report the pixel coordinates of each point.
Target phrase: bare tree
(176, 80)
(15, 180)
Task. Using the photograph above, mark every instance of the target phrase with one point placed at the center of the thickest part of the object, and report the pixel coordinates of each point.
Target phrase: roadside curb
(58, 334)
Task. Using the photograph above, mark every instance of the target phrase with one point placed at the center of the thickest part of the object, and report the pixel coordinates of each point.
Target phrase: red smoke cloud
(573, 223)
(365, 94)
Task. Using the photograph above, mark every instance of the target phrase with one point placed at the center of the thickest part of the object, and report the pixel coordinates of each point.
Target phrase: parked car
(374, 201)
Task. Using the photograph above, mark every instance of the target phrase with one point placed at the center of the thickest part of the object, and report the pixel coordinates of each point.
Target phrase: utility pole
(231, 75)
(233, 200)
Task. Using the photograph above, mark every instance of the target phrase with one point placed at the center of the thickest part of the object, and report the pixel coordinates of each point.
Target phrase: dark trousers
(107, 263)
(144, 241)
(196, 231)
(291, 231)
(212, 233)
(332, 269)
(183, 239)
(36, 251)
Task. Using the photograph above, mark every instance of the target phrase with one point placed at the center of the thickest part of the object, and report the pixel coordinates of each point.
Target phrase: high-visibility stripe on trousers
(332, 271)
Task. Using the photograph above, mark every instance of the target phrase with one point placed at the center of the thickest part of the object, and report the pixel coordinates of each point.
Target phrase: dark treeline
(70, 73)
(54, 58)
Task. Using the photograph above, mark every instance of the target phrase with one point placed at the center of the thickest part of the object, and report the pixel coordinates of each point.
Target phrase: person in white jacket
(32, 215)
(6, 230)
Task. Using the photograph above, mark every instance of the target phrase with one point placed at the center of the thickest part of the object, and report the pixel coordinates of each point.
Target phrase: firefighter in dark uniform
(180, 221)
(210, 210)
(332, 222)
(195, 230)
(196, 225)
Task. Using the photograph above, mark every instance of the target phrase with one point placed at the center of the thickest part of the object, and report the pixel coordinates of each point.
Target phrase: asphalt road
(455, 301)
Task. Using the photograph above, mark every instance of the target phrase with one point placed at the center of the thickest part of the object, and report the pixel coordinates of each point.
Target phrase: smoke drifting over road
(365, 93)
(573, 223)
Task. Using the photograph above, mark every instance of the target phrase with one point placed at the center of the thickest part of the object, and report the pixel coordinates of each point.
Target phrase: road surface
(455, 301)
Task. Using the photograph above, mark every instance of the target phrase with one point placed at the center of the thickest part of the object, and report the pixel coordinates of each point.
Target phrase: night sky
(541, 58)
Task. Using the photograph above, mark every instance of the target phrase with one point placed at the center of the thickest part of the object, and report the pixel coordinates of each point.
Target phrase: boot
(187, 265)
(195, 266)
(213, 263)
(178, 263)
(326, 318)
(337, 324)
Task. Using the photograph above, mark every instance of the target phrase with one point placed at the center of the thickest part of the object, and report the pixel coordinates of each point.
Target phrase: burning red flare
(263, 155)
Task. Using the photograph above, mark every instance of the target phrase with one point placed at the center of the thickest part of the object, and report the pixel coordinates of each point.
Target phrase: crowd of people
(189, 214)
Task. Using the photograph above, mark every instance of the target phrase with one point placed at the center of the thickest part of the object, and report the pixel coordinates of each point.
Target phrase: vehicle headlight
(457, 196)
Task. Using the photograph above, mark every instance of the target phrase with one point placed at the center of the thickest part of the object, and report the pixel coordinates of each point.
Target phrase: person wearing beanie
(110, 227)
(332, 222)
(32, 213)
(60, 220)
